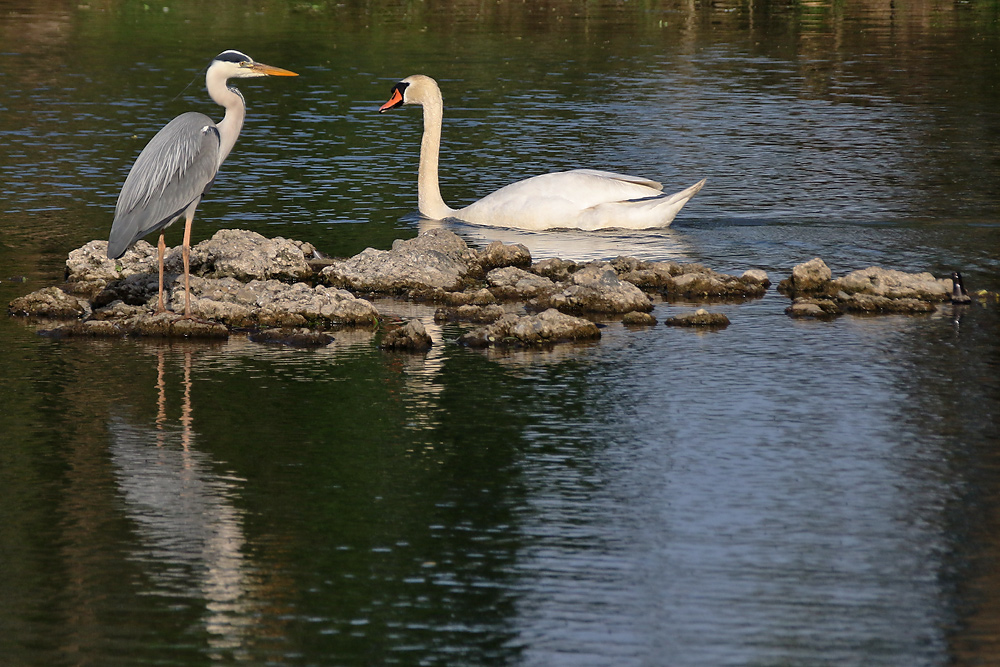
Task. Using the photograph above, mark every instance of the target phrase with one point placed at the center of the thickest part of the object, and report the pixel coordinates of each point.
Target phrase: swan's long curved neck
(236, 110)
(429, 200)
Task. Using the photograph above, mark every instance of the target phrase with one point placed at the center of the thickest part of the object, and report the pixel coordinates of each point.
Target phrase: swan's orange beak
(395, 100)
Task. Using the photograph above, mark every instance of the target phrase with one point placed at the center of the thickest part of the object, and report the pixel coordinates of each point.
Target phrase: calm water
(780, 492)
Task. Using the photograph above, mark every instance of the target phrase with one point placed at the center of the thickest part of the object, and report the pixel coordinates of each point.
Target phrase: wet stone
(246, 255)
(872, 291)
(545, 328)
(49, 302)
(470, 313)
(437, 259)
(699, 318)
(596, 288)
(511, 283)
(555, 269)
(497, 255)
(412, 336)
(637, 319)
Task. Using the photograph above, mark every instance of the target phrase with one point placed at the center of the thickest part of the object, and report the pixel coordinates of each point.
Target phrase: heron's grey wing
(173, 170)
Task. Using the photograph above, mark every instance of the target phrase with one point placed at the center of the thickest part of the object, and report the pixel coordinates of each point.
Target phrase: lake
(782, 491)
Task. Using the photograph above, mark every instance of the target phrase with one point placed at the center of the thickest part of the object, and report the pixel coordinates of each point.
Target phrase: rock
(86, 328)
(868, 291)
(235, 253)
(691, 281)
(478, 297)
(246, 255)
(756, 276)
(649, 275)
(816, 308)
(50, 302)
(497, 255)
(636, 318)
(173, 325)
(136, 289)
(858, 304)
(810, 276)
(272, 303)
(876, 304)
(510, 283)
(292, 337)
(548, 327)
(162, 325)
(555, 269)
(88, 269)
(699, 318)
(470, 313)
(412, 336)
(895, 284)
(437, 259)
(596, 288)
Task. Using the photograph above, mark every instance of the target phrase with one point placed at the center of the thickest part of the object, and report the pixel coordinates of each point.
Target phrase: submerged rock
(411, 336)
(292, 337)
(470, 313)
(547, 327)
(699, 318)
(149, 325)
(637, 319)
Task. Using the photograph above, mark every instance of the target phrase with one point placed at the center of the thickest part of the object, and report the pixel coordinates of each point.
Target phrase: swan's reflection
(191, 534)
(579, 246)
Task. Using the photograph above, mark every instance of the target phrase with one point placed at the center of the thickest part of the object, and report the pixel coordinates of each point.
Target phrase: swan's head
(416, 89)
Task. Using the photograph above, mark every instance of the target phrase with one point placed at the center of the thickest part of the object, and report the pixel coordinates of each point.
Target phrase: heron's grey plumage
(175, 169)
(179, 164)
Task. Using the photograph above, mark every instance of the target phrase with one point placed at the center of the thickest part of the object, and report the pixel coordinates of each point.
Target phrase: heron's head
(238, 65)
(416, 89)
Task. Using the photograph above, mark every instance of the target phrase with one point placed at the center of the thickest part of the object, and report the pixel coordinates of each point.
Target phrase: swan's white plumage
(585, 199)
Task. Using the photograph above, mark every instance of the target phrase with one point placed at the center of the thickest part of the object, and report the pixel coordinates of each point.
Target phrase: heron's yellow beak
(268, 70)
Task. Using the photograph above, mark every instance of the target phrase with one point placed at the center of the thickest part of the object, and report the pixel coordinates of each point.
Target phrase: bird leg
(186, 251)
(162, 248)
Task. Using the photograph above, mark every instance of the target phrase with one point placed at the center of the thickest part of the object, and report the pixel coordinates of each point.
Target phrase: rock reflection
(190, 532)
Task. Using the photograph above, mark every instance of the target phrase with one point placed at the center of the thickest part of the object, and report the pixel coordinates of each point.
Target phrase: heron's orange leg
(162, 248)
(187, 263)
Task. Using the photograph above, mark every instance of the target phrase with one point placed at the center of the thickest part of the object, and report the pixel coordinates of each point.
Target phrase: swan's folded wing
(627, 178)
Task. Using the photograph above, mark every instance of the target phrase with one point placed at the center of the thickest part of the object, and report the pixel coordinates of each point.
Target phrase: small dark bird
(958, 293)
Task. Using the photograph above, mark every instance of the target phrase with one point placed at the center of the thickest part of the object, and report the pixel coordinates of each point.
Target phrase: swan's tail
(648, 213)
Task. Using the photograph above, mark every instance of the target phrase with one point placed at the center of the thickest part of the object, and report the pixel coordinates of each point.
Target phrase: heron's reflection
(191, 541)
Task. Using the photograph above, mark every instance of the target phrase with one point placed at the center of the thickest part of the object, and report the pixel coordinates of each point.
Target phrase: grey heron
(178, 165)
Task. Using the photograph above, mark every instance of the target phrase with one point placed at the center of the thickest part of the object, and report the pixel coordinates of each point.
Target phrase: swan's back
(581, 199)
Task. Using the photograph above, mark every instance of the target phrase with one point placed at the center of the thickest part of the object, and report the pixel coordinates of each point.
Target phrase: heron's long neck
(236, 110)
(429, 199)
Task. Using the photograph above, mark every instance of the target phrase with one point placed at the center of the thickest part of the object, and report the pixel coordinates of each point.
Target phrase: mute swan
(579, 199)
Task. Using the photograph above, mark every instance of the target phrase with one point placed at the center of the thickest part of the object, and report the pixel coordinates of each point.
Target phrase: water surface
(779, 492)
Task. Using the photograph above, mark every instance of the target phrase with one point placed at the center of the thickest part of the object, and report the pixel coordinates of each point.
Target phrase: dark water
(780, 492)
